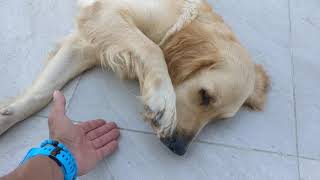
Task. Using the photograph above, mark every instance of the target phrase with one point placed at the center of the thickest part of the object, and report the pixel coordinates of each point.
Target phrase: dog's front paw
(160, 110)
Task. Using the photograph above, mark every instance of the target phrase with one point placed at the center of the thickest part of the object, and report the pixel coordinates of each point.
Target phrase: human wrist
(69, 144)
(65, 139)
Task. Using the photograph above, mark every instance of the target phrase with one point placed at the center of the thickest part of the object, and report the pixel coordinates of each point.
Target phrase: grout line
(231, 146)
(309, 158)
(213, 143)
(293, 86)
(227, 145)
(248, 149)
(137, 131)
(221, 144)
(73, 92)
(41, 116)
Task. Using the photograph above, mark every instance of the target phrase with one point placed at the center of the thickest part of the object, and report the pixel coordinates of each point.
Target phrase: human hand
(89, 142)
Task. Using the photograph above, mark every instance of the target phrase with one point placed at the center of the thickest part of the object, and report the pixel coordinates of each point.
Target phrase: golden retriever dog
(191, 68)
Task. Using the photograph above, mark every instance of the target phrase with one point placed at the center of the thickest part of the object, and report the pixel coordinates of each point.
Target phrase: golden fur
(188, 52)
(257, 99)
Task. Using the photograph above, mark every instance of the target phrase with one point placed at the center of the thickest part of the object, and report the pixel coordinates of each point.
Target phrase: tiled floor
(280, 143)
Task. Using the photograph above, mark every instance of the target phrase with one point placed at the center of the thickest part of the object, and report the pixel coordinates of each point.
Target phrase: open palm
(89, 142)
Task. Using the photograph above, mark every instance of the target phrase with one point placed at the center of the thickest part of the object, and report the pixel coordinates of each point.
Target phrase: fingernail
(55, 93)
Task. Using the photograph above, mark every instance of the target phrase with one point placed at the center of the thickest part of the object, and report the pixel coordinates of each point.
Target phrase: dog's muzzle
(177, 143)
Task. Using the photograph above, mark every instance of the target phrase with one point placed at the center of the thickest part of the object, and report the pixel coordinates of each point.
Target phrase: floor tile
(142, 156)
(16, 142)
(309, 169)
(305, 17)
(264, 29)
(26, 37)
(100, 172)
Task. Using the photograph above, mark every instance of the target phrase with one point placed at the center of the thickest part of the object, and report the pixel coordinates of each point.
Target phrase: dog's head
(213, 78)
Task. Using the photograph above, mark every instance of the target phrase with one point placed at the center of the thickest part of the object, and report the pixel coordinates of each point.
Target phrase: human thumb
(59, 104)
(59, 124)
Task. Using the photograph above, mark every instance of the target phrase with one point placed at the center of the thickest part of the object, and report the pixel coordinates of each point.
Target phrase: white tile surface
(309, 169)
(101, 94)
(28, 31)
(306, 51)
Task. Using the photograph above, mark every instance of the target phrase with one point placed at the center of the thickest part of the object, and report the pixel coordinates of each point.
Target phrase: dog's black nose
(177, 144)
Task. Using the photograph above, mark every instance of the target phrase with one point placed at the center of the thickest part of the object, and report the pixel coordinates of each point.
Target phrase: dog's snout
(178, 144)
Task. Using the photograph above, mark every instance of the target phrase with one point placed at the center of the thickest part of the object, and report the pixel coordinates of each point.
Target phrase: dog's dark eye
(206, 99)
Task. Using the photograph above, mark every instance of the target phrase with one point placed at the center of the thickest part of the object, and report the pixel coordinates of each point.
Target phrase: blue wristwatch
(60, 154)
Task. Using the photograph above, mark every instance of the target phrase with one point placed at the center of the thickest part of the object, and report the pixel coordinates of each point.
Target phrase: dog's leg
(72, 58)
(130, 53)
(156, 88)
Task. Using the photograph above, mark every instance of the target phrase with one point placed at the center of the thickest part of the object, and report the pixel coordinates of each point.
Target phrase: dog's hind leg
(73, 57)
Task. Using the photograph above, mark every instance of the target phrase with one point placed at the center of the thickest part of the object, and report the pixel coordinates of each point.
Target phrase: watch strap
(59, 153)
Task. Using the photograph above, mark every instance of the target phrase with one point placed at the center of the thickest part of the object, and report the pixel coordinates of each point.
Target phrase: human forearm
(37, 168)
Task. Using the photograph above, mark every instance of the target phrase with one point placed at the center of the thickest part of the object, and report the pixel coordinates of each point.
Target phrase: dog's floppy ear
(257, 99)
